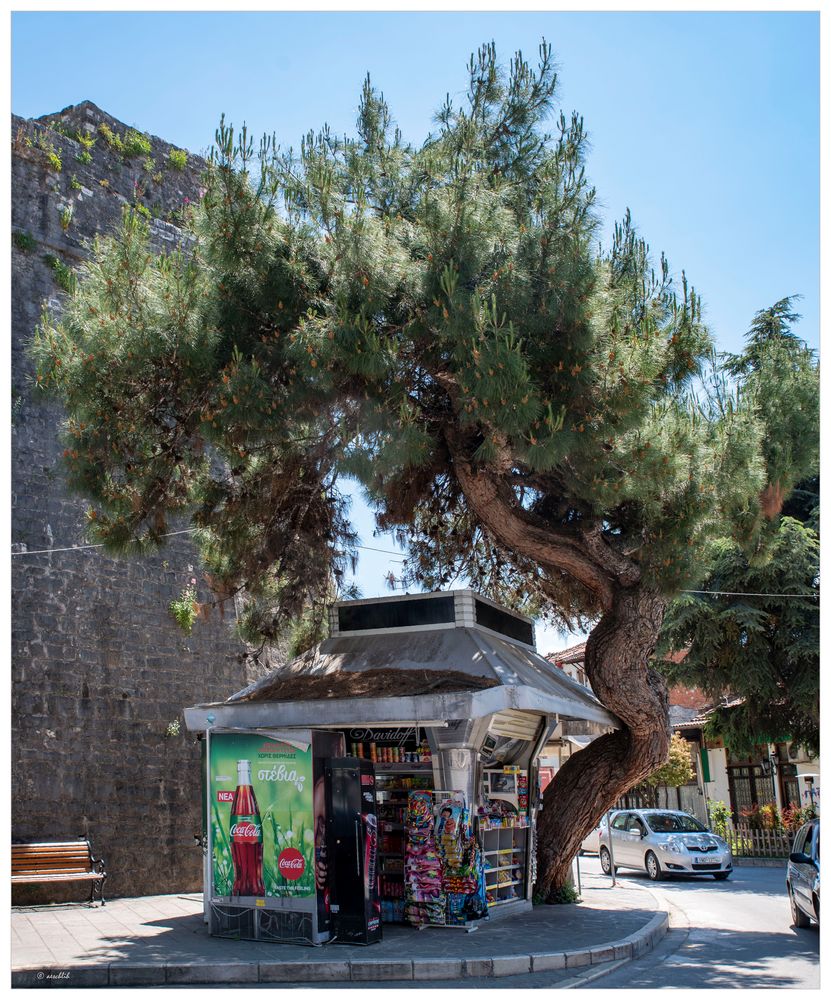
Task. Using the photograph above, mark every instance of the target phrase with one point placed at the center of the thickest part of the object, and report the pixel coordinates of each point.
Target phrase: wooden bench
(65, 861)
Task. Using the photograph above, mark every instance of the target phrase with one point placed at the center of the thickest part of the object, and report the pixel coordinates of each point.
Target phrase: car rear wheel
(606, 861)
(721, 876)
(653, 866)
(798, 918)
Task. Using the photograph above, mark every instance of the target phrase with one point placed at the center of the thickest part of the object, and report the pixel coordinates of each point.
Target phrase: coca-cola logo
(291, 864)
(246, 831)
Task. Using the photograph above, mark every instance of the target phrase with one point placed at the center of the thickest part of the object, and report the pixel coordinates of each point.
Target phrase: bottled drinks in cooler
(246, 836)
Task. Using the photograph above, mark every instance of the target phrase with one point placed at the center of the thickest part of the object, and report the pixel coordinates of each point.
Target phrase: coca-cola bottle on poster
(246, 836)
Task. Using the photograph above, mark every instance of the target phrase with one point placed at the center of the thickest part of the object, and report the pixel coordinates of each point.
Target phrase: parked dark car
(802, 880)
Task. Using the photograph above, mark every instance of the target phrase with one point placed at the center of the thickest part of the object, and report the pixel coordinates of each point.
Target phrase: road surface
(733, 934)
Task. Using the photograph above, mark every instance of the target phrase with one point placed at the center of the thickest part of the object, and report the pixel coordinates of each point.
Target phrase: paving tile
(32, 958)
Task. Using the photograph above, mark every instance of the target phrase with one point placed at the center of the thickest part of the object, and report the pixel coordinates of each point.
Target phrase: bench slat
(58, 867)
(74, 842)
(49, 872)
(48, 848)
(57, 878)
(51, 859)
(36, 856)
(67, 849)
(46, 858)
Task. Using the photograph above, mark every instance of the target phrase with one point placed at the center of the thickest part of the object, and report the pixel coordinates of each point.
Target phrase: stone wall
(99, 669)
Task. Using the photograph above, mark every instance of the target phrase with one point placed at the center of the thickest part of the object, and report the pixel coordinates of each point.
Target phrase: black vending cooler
(353, 849)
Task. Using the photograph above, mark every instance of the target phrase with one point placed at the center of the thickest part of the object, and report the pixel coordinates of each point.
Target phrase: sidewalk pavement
(158, 940)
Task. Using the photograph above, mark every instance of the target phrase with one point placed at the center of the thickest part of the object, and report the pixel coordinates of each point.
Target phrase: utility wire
(97, 545)
(733, 593)
(369, 548)
(184, 531)
(390, 552)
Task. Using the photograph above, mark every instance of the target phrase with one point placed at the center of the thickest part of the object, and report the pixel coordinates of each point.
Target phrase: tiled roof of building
(701, 719)
(574, 654)
(689, 697)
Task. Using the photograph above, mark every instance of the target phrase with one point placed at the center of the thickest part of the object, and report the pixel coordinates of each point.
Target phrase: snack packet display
(424, 900)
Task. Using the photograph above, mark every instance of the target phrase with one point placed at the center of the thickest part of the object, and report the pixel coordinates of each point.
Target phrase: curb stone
(581, 979)
(603, 958)
(375, 970)
(438, 968)
(303, 972)
(760, 863)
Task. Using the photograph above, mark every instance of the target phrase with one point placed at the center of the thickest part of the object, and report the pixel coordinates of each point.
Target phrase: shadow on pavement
(136, 935)
(738, 882)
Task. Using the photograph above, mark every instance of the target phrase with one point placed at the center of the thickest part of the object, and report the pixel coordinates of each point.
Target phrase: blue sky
(706, 125)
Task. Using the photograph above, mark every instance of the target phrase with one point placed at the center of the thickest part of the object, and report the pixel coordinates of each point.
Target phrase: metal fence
(748, 843)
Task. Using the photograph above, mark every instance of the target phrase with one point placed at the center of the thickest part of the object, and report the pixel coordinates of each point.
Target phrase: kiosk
(446, 700)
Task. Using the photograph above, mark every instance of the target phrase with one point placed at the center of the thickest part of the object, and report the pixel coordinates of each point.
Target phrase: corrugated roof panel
(517, 725)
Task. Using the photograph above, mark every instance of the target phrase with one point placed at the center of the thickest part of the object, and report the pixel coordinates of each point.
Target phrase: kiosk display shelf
(504, 826)
(505, 853)
(403, 763)
(394, 784)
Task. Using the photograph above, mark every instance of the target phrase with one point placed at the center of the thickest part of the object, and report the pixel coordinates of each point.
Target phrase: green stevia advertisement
(262, 818)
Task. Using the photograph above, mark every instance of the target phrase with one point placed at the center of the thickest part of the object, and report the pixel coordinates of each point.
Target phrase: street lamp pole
(611, 849)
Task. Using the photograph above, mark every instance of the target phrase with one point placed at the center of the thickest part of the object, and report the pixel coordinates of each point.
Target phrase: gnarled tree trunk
(617, 653)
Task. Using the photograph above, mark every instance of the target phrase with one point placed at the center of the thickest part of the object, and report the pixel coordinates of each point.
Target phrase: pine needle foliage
(760, 654)
(370, 307)
(761, 651)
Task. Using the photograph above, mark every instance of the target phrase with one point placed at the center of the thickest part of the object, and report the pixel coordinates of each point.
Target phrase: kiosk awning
(456, 659)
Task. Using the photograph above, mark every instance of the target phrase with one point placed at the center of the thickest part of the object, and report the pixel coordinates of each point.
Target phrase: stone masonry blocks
(99, 669)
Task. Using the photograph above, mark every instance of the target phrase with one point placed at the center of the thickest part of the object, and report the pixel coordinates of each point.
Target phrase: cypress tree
(752, 634)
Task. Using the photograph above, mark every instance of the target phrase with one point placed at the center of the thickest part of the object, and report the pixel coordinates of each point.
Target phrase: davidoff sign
(399, 736)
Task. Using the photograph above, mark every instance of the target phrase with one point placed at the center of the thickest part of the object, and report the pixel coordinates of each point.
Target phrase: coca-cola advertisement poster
(262, 817)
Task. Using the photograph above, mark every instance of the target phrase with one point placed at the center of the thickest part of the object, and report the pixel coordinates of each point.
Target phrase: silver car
(591, 842)
(663, 842)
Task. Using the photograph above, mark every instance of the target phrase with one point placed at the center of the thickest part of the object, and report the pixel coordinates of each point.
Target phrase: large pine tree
(540, 415)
